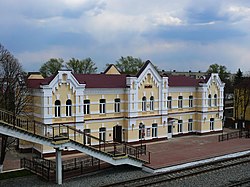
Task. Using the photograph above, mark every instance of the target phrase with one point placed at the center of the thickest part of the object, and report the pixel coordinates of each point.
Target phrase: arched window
(68, 108)
(57, 108)
(152, 103)
(215, 99)
(144, 102)
(209, 100)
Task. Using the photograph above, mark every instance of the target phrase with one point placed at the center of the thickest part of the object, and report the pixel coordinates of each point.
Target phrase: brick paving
(186, 149)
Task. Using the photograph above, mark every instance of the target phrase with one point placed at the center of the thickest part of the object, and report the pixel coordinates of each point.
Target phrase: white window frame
(86, 106)
(180, 101)
(211, 124)
(117, 105)
(154, 130)
(102, 106)
(69, 108)
(215, 100)
(58, 109)
(180, 126)
(151, 103)
(190, 125)
(169, 102)
(102, 133)
(144, 104)
(191, 101)
(209, 100)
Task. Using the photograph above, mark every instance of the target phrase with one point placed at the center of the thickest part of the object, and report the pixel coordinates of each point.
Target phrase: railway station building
(127, 108)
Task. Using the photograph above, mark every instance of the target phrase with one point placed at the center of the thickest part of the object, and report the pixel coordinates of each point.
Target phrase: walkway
(181, 150)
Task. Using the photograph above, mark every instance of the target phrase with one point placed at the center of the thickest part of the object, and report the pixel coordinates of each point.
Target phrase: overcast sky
(173, 34)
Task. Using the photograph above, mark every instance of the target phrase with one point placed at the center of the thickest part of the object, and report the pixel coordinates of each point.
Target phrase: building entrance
(117, 133)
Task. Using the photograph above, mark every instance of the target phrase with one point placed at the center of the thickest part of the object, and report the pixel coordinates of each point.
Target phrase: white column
(58, 166)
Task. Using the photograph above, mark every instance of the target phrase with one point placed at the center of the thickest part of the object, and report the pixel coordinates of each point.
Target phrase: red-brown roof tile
(181, 80)
(102, 80)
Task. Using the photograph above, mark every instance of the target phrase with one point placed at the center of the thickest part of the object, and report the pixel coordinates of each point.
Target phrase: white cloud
(163, 19)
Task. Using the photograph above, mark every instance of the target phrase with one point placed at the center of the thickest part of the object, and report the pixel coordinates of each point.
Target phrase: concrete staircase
(113, 153)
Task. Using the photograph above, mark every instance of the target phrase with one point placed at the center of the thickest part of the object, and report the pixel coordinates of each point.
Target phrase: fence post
(149, 157)
(68, 131)
(34, 127)
(114, 148)
(53, 132)
(81, 167)
(59, 131)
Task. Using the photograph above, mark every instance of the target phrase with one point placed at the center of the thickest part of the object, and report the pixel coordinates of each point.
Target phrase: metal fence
(233, 135)
(72, 167)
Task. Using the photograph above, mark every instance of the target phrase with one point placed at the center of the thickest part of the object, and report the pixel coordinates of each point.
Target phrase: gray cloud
(174, 35)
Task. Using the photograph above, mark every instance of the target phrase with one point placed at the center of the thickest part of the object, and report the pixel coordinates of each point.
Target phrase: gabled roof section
(112, 70)
(144, 67)
(183, 81)
(214, 77)
(149, 69)
(102, 80)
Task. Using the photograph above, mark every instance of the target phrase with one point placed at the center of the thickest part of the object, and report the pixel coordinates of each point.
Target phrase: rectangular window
(148, 132)
(180, 102)
(154, 130)
(211, 124)
(190, 101)
(117, 105)
(86, 106)
(102, 134)
(190, 125)
(102, 106)
(87, 139)
(169, 102)
(179, 126)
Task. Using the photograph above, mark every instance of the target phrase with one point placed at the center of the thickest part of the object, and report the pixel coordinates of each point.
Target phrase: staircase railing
(60, 132)
(26, 124)
(111, 148)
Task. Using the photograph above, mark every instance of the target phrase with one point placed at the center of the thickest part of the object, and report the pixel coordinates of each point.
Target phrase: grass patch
(14, 174)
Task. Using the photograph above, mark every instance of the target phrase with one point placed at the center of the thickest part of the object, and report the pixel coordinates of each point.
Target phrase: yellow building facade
(127, 108)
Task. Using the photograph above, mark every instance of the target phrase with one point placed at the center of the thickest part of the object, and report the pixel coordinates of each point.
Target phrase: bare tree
(14, 93)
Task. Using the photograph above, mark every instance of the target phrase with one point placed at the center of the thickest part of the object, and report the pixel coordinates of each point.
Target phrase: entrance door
(170, 130)
(117, 133)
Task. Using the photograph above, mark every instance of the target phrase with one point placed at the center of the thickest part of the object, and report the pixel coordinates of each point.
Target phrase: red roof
(91, 81)
(115, 81)
(102, 80)
(181, 80)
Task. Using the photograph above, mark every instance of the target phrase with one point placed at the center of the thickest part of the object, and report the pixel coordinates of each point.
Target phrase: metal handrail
(61, 131)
